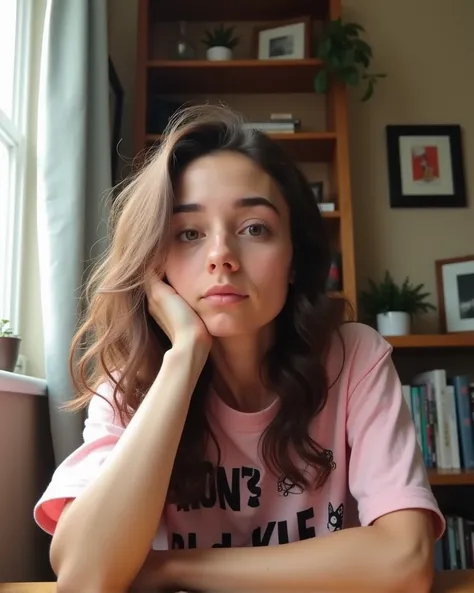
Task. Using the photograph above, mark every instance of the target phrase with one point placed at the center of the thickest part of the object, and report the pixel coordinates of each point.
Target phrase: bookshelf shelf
(457, 340)
(304, 146)
(451, 477)
(244, 10)
(233, 76)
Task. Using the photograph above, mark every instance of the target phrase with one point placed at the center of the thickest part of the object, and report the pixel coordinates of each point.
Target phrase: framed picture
(290, 40)
(318, 190)
(455, 284)
(425, 166)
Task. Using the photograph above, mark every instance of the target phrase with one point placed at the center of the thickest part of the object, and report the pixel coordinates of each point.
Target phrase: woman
(230, 410)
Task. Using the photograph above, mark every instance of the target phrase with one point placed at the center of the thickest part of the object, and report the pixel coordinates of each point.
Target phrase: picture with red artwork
(425, 166)
(425, 163)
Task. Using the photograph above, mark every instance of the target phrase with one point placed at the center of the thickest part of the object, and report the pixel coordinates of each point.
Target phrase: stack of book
(442, 408)
(455, 550)
(279, 123)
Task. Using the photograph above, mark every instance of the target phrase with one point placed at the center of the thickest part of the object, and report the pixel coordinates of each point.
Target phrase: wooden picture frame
(455, 287)
(284, 40)
(425, 166)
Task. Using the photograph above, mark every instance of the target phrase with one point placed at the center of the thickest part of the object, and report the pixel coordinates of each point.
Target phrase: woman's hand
(172, 313)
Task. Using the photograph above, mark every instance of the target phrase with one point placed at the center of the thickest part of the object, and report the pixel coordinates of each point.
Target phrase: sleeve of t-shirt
(102, 430)
(386, 468)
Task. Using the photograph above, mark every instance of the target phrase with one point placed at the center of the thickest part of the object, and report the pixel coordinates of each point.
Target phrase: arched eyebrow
(240, 203)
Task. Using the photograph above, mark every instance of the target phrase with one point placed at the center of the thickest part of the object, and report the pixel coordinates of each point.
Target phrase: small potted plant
(220, 42)
(9, 347)
(346, 57)
(392, 306)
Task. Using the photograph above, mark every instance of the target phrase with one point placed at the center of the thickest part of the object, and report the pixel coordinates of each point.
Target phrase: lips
(224, 290)
(224, 295)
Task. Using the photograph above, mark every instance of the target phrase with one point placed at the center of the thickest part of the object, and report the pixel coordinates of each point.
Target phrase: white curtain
(74, 176)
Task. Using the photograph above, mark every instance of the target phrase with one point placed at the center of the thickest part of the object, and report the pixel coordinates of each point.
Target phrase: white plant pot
(393, 323)
(219, 53)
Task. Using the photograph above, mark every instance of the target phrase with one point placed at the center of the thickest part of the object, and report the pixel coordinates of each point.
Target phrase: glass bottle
(184, 49)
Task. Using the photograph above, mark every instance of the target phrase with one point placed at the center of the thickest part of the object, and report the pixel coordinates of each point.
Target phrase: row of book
(442, 408)
(455, 550)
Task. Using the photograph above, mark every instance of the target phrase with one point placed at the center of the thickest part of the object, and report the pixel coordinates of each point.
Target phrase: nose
(223, 254)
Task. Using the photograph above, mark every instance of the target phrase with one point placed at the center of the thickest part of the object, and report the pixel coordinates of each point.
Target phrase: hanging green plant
(346, 57)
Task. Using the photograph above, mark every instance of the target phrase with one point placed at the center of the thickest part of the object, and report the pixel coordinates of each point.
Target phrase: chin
(221, 326)
(229, 330)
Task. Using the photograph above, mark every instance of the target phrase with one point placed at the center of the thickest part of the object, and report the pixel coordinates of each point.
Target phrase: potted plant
(220, 42)
(393, 306)
(9, 347)
(346, 57)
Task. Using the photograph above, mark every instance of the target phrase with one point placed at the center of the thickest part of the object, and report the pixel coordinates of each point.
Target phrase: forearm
(106, 534)
(349, 561)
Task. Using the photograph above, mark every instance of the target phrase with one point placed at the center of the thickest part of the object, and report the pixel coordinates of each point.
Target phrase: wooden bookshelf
(327, 145)
(455, 340)
(451, 477)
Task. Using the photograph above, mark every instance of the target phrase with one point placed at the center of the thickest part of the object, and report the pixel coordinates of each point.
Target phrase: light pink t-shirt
(377, 467)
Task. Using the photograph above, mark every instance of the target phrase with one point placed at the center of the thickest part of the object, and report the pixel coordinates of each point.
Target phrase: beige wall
(427, 53)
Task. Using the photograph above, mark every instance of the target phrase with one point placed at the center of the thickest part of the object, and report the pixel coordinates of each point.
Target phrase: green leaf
(324, 48)
(388, 296)
(362, 58)
(369, 92)
(353, 77)
(321, 82)
(353, 29)
(335, 26)
(346, 56)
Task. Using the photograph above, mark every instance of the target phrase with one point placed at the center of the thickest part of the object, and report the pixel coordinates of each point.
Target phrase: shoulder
(105, 406)
(355, 348)
(362, 340)
(358, 339)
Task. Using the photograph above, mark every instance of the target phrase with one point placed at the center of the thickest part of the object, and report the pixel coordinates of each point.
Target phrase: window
(14, 58)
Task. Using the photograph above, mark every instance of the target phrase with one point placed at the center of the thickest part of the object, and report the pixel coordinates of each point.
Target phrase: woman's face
(231, 236)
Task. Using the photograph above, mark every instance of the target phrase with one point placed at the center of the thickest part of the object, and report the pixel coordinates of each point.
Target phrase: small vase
(219, 52)
(393, 323)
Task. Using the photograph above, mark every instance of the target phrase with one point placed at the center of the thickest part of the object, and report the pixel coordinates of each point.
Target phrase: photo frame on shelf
(287, 40)
(425, 166)
(455, 286)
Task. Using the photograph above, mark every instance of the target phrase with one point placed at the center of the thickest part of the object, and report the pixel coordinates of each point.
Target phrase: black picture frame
(442, 182)
(116, 97)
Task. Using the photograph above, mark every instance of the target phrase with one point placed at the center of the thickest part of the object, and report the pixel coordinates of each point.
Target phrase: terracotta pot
(9, 350)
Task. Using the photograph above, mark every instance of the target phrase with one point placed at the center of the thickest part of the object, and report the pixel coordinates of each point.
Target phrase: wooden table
(449, 581)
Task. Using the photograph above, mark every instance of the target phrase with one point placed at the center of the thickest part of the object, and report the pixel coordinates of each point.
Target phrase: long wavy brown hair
(118, 341)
